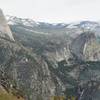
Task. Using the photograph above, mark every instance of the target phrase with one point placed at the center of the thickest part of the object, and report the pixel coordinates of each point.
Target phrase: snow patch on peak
(12, 20)
(84, 24)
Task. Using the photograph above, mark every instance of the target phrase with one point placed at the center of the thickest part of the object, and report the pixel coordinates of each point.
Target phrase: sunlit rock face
(5, 31)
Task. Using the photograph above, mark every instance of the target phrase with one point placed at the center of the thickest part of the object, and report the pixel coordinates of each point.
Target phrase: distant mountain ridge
(15, 20)
(69, 28)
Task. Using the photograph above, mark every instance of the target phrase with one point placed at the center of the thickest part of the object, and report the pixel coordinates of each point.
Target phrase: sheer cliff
(5, 31)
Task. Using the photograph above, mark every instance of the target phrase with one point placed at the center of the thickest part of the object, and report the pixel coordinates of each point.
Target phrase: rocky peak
(80, 43)
(5, 31)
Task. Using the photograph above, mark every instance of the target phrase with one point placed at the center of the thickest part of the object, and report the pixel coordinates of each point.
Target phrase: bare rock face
(5, 31)
(80, 44)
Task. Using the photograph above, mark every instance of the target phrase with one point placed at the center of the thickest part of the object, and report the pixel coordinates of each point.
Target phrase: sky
(53, 11)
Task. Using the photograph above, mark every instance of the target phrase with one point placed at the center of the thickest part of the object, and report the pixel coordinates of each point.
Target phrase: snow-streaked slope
(72, 29)
(12, 20)
(84, 24)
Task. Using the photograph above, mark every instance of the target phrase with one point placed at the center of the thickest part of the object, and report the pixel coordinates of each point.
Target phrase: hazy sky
(53, 10)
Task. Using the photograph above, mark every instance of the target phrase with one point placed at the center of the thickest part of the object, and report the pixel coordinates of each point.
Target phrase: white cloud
(53, 10)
